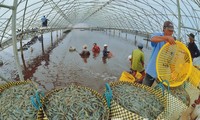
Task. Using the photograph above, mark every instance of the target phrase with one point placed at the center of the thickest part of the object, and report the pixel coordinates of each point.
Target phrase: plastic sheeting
(139, 15)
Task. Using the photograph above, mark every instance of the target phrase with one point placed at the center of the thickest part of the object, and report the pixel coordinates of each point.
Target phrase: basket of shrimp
(133, 101)
(75, 102)
(178, 92)
(181, 94)
(15, 101)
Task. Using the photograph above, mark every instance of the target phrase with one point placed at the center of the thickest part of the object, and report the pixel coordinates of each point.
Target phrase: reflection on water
(85, 57)
(36, 62)
(104, 60)
(95, 54)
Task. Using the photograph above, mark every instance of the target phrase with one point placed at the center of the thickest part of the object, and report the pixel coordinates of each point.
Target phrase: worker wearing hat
(137, 62)
(158, 39)
(105, 51)
(194, 51)
(85, 52)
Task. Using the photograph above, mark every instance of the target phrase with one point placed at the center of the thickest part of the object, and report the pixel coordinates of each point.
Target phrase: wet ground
(55, 66)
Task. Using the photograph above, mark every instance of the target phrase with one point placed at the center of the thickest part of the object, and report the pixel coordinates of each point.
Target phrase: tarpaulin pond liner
(75, 103)
(15, 101)
(133, 101)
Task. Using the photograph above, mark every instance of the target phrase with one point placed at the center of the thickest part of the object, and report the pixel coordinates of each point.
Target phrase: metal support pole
(135, 43)
(51, 39)
(179, 21)
(57, 34)
(42, 40)
(60, 33)
(6, 6)
(14, 38)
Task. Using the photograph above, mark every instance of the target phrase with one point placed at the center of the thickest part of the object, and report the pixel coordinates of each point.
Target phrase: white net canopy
(145, 16)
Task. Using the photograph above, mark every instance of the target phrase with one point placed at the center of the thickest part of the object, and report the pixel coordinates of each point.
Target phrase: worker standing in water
(95, 50)
(85, 53)
(137, 63)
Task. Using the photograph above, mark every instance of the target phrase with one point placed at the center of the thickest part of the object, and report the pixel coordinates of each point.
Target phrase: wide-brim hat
(85, 46)
(191, 35)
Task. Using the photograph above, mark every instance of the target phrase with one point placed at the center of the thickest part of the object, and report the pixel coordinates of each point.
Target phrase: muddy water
(60, 67)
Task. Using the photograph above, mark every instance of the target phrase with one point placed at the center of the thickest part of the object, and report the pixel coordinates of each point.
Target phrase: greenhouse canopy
(144, 16)
(139, 17)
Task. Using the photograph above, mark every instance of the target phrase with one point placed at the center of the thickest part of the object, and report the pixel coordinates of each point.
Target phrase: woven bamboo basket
(46, 101)
(174, 108)
(23, 109)
(117, 111)
(178, 92)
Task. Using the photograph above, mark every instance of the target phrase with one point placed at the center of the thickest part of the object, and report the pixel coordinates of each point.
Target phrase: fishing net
(75, 102)
(15, 101)
(174, 64)
(132, 101)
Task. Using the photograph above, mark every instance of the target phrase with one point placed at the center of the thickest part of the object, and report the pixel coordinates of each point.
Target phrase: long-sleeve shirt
(194, 51)
(85, 52)
(105, 52)
(96, 49)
